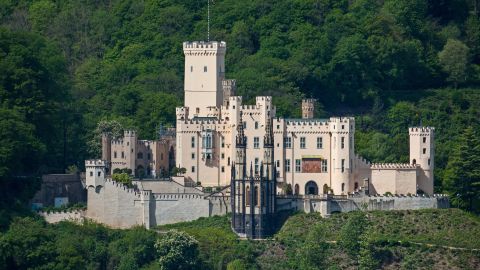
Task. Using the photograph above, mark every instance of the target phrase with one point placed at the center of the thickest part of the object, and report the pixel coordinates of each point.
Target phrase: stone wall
(55, 217)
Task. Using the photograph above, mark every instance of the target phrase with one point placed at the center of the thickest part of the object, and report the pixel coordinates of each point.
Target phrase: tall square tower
(204, 73)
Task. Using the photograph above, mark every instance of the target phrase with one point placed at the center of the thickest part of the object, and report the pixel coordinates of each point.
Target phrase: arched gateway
(311, 188)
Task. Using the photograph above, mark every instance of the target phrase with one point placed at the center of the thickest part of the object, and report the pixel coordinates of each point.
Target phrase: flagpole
(208, 21)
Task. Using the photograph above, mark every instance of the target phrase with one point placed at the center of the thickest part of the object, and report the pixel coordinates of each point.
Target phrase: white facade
(313, 156)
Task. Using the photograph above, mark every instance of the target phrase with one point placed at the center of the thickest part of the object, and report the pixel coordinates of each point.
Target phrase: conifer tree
(462, 174)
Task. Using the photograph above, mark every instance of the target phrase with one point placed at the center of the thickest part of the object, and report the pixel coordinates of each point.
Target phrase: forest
(68, 68)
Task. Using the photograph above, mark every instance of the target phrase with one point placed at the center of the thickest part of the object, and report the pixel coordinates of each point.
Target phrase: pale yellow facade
(311, 155)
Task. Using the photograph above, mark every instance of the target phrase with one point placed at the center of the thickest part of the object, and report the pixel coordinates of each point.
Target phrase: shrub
(177, 250)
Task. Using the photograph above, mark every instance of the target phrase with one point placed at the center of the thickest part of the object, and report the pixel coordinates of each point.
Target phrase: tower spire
(268, 139)
(240, 132)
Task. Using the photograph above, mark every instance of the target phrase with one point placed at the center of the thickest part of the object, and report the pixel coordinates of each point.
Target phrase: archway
(311, 188)
(297, 189)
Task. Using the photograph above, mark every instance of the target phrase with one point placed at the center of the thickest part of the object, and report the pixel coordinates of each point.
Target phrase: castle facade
(312, 156)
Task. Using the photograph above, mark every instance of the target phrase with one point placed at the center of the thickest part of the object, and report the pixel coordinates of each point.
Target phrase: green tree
(462, 173)
(454, 61)
(313, 254)
(177, 250)
(351, 233)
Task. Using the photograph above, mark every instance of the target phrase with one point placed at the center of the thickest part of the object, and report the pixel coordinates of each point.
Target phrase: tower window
(99, 174)
(343, 166)
(193, 169)
(424, 150)
(342, 143)
(256, 142)
(228, 161)
(343, 187)
(429, 162)
(319, 142)
(324, 165)
(424, 139)
(302, 142)
(223, 169)
(205, 69)
(256, 166)
(287, 165)
(223, 155)
(287, 142)
(115, 154)
(193, 141)
(245, 125)
(298, 165)
(256, 125)
(193, 155)
(191, 68)
(91, 173)
(123, 154)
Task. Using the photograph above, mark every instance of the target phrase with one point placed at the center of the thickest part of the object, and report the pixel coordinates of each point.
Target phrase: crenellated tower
(342, 130)
(422, 152)
(308, 108)
(107, 150)
(204, 74)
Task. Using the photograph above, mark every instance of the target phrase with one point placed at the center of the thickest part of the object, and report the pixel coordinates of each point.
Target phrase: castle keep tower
(204, 73)
(94, 173)
(422, 152)
(229, 90)
(107, 149)
(308, 108)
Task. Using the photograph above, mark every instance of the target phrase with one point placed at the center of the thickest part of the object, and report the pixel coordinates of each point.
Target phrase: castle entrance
(311, 188)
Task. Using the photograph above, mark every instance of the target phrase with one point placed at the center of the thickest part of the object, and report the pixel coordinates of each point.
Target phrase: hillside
(393, 240)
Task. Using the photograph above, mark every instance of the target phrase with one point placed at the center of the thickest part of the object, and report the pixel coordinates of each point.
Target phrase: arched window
(414, 161)
(140, 155)
(257, 196)
(356, 186)
(343, 187)
(311, 188)
(297, 189)
(247, 197)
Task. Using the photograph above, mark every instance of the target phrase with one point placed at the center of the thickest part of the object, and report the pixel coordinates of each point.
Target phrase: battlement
(94, 163)
(177, 196)
(362, 160)
(119, 142)
(204, 48)
(229, 83)
(261, 99)
(341, 119)
(236, 98)
(393, 166)
(420, 130)
(129, 133)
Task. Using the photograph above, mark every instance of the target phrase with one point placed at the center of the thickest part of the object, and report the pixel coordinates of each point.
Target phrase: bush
(177, 250)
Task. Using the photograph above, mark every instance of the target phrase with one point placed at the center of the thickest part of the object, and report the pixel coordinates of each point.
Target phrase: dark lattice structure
(253, 196)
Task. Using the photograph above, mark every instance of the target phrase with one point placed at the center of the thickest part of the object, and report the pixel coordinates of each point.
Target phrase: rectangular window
(228, 161)
(256, 166)
(91, 173)
(223, 168)
(287, 142)
(114, 154)
(298, 165)
(256, 125)
(342, 142)
(223, 155)
(278, 163)
(256, 142)
(223, 142)
(99, 174)
(191, 68)
(193, 141)
(193, 169)
(343, 165)
(424, 150)
(319, 142)
(424, 139)
(287, 165)
(123, 154)
(302, 142)
(205, 69)
(244, 125)
(324, 165)
(193, 155)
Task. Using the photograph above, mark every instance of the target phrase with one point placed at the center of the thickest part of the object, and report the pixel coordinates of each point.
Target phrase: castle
(312, 156)
(257, 162)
